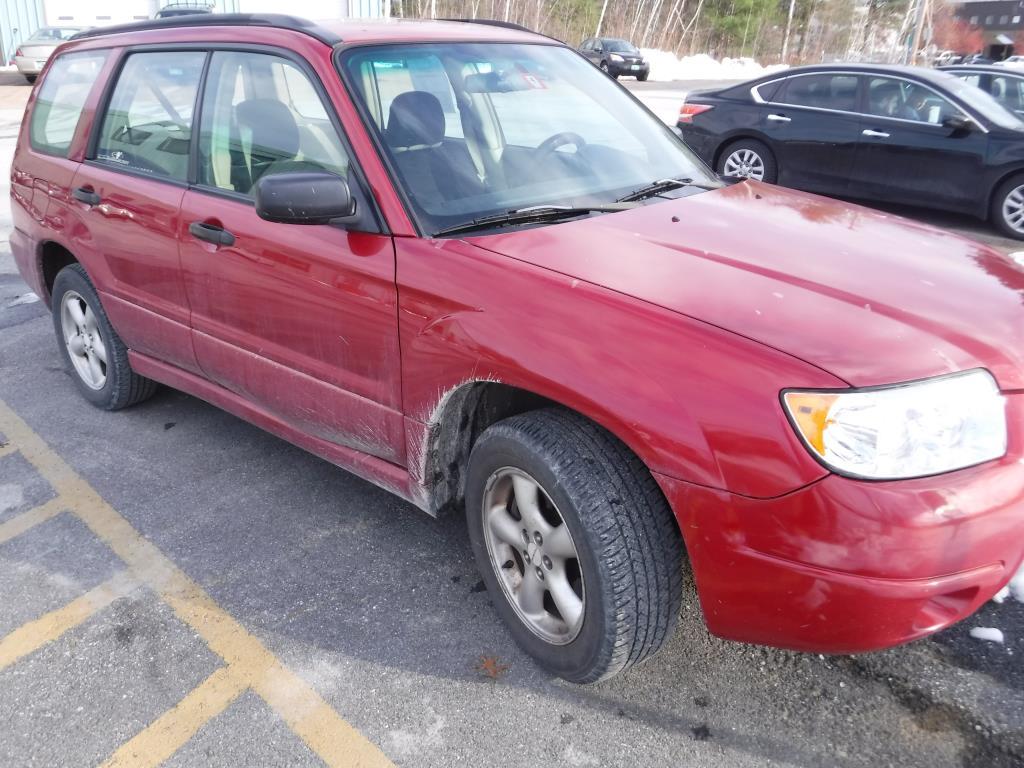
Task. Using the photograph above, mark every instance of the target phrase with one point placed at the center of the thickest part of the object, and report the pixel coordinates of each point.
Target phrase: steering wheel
(551, 143)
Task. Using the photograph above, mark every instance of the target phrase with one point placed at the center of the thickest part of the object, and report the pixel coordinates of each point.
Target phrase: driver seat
(433, 167)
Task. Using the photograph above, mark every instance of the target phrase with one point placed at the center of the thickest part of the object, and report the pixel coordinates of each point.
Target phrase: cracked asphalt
(377, 609)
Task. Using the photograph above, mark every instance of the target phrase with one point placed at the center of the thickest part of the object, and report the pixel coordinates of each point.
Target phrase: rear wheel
(97, 357)
(578, 548)
(31, 78)
(748, 159)
(1007, 212)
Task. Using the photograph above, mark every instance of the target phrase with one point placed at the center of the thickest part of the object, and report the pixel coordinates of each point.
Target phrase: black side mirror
(958, 124)
(305, 197)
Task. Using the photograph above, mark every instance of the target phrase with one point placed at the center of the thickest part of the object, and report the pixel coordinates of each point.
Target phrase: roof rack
(282, 21)
(494, 23)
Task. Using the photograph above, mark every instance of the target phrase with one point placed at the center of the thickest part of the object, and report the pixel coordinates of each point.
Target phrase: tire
(643, 78)
(597, 497)
(1008, 197)
(110, 384)
(31, 78)
(604, 68)
(755, 149)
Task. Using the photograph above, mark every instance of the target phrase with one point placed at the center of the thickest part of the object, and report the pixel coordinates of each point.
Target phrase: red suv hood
(870, 298)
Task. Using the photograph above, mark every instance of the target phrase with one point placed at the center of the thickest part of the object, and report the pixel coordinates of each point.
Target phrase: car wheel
(748, 159)
(31, 78)
(1008, 207)
(97, 357)
(643, 78)
(576, 544)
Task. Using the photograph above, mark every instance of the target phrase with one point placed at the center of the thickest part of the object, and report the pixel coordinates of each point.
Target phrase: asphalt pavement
(179, 587)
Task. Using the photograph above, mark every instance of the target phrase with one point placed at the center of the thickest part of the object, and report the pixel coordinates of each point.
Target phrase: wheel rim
(533, 555)
(85, 344)
(1013, 209)
(745, 163)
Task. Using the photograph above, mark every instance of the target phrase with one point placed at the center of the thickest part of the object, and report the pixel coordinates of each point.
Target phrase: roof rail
(279, 20)
(494, 23)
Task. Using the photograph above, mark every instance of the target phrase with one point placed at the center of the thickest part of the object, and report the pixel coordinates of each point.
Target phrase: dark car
(186, 8)
(891, 134)
(977, 58)
(616, 57)
(1003, 84)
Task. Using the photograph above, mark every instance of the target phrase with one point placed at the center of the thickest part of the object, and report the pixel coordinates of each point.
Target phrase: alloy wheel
(1013, 209)
(745, 163)
(82, 337)
(533, 555)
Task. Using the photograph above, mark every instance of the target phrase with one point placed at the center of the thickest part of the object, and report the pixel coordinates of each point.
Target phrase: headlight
(616, 57)
(907, 430)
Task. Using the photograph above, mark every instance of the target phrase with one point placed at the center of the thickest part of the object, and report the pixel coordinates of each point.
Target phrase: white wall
(103, 12)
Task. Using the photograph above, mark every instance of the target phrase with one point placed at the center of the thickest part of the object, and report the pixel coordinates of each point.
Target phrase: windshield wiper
(531, 215)
(657, 187)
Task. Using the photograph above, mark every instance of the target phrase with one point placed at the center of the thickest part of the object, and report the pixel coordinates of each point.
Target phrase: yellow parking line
(169, 732)
(30, 519)
(34, 635)
(323, 730)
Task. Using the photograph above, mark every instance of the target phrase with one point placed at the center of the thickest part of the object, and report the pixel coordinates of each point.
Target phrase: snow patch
(665, 66)
(1014, 589)
(991, 634)
(25, 298)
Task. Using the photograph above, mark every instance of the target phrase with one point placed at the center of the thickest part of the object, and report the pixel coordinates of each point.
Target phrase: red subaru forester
(459, 261)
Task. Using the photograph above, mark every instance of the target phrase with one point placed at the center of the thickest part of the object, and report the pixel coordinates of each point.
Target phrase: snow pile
(991, 634)
(1014, 589)
(665, 65)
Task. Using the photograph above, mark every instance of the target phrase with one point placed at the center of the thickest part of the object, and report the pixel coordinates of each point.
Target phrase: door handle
(874, 134)
(86, 195)
(211, 233)
(780, 118)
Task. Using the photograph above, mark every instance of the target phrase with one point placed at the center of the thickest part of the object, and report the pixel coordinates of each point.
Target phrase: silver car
(32, 54)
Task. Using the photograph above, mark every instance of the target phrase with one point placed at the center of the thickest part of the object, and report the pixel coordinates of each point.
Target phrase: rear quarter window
(60, 100)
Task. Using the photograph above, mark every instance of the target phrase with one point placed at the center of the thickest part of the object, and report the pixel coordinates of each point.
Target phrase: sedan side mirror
(305, 197)
(958, 124)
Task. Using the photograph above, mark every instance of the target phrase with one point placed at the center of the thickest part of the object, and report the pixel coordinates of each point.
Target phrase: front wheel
(31, 78)
(578, 548)
(748, 159)
(643, 77)
(1007, 212)
(97, 357)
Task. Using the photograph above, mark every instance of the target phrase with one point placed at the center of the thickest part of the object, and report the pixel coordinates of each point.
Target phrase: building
(1001, 21)
(20, 18)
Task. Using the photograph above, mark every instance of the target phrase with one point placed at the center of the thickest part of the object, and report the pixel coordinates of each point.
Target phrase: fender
(664, 384)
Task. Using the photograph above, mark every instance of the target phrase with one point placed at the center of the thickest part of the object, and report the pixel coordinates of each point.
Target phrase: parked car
(1005, 85)
(459, 262)
(30, 57)
(616, 57)
(947, 57)
(889, 134)
(977, 58)
(1013, 62)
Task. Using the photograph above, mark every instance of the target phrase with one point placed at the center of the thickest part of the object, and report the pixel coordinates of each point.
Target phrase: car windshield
(620, 46)
(981, 102)
(52, 34)
(471, 130)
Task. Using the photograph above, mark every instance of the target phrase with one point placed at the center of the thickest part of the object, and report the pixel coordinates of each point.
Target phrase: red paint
(674, 325)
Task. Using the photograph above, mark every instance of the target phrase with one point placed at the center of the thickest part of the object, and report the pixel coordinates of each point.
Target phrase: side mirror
(304, 197)
(958, 124)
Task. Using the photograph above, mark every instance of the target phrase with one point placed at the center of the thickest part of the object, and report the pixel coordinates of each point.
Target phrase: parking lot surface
(178, 587)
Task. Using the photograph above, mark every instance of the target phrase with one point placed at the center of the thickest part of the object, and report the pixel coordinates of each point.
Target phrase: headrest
(416, 119)
(274, 131)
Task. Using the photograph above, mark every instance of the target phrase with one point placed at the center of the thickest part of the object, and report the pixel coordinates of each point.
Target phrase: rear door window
(148, 124)
(60, 100)
(824, 91)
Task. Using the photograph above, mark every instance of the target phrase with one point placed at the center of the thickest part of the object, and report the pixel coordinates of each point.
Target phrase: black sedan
(1004, 84)
(890, 134)
(616, 57)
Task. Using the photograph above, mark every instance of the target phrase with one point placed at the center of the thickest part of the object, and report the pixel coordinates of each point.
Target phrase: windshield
(620, 46)
(53, 34)
(472, 130)
(981, 102)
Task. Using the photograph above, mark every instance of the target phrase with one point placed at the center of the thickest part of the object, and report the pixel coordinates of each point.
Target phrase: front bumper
(625, 68)
(845, 566)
